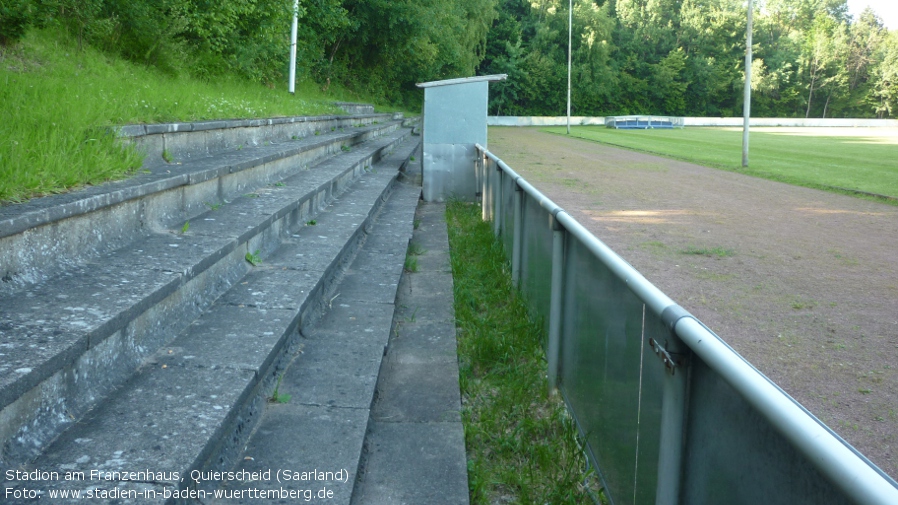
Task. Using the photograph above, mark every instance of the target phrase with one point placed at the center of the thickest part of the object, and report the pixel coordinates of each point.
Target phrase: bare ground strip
(803, 283)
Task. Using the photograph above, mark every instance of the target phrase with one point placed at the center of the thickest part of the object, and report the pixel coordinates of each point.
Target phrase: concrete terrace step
(373, 415)
(412, 172)
(355, 108)
(48, 235)
(190, 140)
(331, 382)
(192, 405)
(415, 444)
(70, 340)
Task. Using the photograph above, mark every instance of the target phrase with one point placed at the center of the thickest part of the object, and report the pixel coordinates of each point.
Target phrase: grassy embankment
(835, 163)
(57, 102)
(522, 446)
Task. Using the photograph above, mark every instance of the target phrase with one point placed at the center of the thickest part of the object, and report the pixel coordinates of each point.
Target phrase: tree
(711, 33)
(885, 78)
(596, 82)
(820, 58)
(669, 85)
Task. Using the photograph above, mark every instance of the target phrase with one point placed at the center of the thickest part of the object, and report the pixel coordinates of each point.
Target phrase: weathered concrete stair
(328, 386)
(368, 412)
(415, 445)
(48, 235)
(77, 334)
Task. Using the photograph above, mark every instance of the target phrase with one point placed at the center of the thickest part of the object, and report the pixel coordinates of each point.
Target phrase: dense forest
(686, 57)
(678, 57)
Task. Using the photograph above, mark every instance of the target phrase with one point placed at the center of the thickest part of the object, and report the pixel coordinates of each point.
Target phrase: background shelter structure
(643, 122)
(454, 122)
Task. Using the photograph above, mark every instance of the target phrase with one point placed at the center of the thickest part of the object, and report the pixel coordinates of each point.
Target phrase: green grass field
(855, 159)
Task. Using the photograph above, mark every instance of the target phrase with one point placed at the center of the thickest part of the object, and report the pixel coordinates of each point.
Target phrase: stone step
(71, 340)
(204, 138)
(191, 406)
(373, 410)
(413, 171)
(331, 382)
(415, 445)
(45, 236)
(355, 108)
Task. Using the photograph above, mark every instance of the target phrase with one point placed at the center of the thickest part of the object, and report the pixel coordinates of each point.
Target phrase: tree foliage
(686, 57)
(683, 57)
(379, 46)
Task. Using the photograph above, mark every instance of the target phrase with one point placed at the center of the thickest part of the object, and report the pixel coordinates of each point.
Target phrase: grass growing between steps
(57, 103)
(522, 446)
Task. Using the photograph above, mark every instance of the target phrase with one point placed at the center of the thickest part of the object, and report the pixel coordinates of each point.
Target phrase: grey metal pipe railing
(654, 297)
(843, 468)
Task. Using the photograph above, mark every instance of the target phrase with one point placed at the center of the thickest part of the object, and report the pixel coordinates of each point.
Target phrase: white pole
(292, 85)
(570, 24)
(746, 106)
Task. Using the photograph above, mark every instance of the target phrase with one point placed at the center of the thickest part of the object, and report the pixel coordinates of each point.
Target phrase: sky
(887, 10)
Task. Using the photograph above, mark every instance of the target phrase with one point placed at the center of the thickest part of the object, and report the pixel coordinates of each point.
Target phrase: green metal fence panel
(536, 260)
(507, 212)
(730, 441)
(610, 377)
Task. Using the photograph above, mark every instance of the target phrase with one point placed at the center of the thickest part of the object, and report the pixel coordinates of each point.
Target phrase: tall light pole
(292, 85)
(570, 24)
(746, 106)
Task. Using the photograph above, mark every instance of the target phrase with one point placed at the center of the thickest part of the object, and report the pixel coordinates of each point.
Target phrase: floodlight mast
(746, 106)
(292, 85)
(570, 24)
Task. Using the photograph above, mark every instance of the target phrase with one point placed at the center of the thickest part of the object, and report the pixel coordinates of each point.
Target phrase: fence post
(497, 201)
(518, 235)
(483, 175)
(556, 302)
(673, 413)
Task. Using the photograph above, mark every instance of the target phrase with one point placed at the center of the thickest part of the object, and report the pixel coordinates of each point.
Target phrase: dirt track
(801, 282)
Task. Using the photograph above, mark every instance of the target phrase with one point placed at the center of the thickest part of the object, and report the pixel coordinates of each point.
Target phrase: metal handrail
(845, 467)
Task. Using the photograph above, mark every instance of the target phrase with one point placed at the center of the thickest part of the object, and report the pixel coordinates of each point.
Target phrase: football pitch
(861, 160)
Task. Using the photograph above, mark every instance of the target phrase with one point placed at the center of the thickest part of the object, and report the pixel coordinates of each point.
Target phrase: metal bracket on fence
(671, 360)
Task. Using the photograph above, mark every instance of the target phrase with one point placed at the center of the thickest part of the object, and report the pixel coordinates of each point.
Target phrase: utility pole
(292, 85)
(570, 25)
(746, 106)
